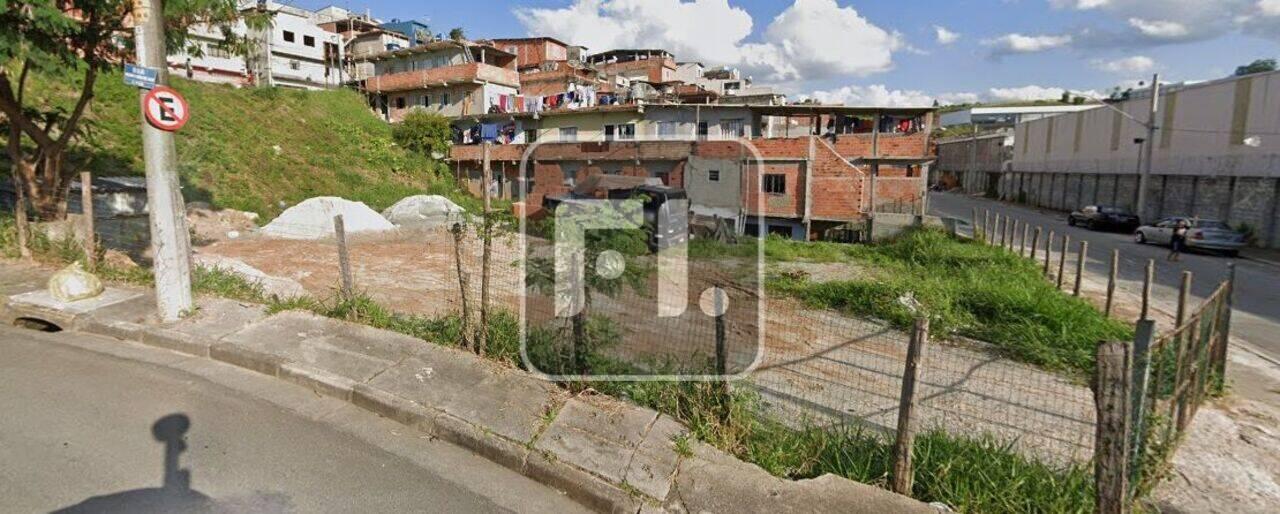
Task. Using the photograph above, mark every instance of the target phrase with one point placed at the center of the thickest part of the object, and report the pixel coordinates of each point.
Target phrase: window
(713, 175)
(444, 99)
(667, 129)
(399, 102)
(775, 183)
(569, 134)
(426, 100)
(309, 41)
(731, 129)
(570, 174)
(289, 37)
(702, 130)
(625, 131)
(530, 135)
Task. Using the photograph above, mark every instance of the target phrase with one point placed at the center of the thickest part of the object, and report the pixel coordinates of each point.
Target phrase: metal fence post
(1144, 332)
(1111, 397)
(344, 258)
(905, 441)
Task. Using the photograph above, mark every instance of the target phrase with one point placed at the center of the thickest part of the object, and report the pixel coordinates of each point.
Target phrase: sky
(889, 52)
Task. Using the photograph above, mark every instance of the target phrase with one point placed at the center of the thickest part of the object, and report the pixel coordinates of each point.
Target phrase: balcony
(471, 73)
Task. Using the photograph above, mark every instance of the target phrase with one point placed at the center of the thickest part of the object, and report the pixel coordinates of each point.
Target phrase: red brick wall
(789, 205)
(837, 185)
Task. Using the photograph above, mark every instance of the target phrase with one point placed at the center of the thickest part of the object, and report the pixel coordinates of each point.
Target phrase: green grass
(979, 475)
(966, 288)
(255, 149)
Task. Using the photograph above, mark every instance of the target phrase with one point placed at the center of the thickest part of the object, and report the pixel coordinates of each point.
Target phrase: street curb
(585, 486)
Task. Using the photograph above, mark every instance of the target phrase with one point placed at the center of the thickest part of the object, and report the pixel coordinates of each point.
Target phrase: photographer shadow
(175, 495)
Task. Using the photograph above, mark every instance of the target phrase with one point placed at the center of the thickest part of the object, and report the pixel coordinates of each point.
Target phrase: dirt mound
(424, 211)
(313, 219)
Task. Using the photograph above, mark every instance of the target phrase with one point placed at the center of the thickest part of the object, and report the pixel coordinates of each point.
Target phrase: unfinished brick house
(452, 78)
(800, 185)
(648, 65)
(547, 65)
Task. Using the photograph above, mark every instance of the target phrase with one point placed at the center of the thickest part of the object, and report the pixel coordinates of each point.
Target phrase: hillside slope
(257, 150)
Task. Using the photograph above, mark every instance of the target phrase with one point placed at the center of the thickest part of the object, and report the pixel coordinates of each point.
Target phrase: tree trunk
(46, 187)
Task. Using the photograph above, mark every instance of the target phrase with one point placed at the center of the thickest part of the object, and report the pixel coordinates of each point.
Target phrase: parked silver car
(1201, 233)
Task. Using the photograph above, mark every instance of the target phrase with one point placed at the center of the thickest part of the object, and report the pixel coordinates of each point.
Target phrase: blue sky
(890, 51)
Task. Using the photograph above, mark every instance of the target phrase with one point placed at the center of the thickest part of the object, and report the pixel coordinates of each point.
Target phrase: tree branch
(13, 110)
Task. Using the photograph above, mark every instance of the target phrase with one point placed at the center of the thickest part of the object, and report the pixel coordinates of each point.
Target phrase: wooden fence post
(1111, 397)
(1062, 259)
(905, 441)
(1026, 233)
(1224, 331)
(1013, 233)
(995, 233)
(1176, 410)
(1035, 245)
(1146, 288)
(722, 357)
(977, 231)
(20, 222)
(1111, 281)
(986, 226)
(1048, 252)
(86, 208)
(1081, 259)
(344, 258)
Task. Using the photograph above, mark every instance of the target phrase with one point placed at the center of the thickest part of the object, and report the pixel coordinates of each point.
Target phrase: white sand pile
(313, 219)
(424, 211)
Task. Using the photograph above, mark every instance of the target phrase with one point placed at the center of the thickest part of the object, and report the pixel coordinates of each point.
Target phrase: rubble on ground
(279, 287)
(424, 211)
(313, 219)
(208, 224)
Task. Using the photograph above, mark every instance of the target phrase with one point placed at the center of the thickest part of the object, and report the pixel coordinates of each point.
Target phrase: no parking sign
(165, 109)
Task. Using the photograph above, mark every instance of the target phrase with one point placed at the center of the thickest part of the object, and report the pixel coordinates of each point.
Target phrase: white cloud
(1083, 5)
(1135, 64)
(1269, 7)
(881, 96)
(1034, 92)
(946, 37)
(1022, 44)
(811, 39)
(1160, 29)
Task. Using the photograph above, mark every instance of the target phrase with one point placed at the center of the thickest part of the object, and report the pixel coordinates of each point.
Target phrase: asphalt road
(1256, 319)
(88, 432)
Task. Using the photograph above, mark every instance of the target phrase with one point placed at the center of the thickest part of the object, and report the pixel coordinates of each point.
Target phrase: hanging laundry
(489, 131)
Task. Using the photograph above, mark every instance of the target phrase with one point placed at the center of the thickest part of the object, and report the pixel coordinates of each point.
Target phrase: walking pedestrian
(1178, 243)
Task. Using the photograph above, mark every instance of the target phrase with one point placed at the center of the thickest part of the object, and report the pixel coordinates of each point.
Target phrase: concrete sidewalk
(607, 454)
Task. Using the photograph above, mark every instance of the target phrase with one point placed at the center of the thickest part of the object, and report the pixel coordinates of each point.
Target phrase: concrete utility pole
(170, 243)
(1149, 149)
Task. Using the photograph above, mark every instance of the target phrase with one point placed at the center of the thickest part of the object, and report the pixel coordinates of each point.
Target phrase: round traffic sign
(165, 109)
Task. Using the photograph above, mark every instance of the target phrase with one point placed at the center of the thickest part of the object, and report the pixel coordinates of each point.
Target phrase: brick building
(452, 78)
(800, 185)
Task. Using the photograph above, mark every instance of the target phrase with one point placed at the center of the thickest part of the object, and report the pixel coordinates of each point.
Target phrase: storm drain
(37, 324)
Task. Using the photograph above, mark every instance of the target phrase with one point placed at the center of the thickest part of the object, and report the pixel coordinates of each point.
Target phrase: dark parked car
(1202, 234)
(1094, 217)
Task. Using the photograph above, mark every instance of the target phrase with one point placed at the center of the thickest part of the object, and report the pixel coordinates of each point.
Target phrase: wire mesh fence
(810, 366)
(1174, 376)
